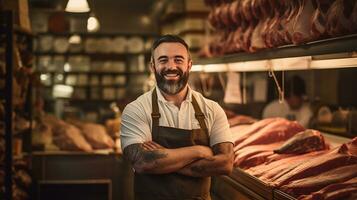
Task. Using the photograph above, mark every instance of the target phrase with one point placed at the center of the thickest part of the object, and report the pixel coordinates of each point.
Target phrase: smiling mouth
(171, 75)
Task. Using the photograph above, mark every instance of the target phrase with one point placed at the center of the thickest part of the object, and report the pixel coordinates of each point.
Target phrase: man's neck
(176, 98)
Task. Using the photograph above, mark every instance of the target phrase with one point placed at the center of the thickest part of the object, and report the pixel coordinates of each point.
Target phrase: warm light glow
(92, 24)
(77, 6)
(145, 20)
(75, 39)
(43, 77)
(67, 67)
(62, 91)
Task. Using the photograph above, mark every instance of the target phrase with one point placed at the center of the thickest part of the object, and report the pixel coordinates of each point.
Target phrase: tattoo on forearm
(223, 148)
(151, 156)
(136, 153)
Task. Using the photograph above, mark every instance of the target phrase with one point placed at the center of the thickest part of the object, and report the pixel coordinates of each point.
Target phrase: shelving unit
(10, 33)
(339, 52)
(103, 77)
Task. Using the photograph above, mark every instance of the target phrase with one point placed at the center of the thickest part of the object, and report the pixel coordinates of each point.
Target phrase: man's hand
(150, 157)
(220, 164)
(151, 146)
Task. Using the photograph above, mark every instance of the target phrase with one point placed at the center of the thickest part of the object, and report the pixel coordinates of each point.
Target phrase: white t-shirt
(136, 121)
(276, 109)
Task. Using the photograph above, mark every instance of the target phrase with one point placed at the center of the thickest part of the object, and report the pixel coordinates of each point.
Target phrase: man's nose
(171, 64)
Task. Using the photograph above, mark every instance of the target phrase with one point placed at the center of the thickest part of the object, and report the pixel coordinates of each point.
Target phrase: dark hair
(295, 86)
(168, 38)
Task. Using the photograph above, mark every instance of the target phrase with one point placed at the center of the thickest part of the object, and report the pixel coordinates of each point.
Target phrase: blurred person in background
(294, 107)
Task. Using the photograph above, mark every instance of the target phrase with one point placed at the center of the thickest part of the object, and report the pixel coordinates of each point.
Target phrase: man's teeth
(171, 75)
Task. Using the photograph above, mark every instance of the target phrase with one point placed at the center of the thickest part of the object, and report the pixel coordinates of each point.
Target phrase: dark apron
(174, 186)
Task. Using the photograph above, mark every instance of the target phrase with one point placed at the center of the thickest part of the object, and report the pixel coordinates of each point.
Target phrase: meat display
(299, 162)
(69, 137)
(323, 179)
(240, 135)
(337, 157)
(245, 157)
(240, 119)
(343, 190)
(96, 135)
(271, 168)
(303, 142)
(252, 25)
(276, 131)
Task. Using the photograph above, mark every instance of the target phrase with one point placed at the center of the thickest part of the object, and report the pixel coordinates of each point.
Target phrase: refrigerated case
(313, 57)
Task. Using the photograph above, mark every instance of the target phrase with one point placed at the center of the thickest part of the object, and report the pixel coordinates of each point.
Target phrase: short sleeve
(220, 131)
(135, 127)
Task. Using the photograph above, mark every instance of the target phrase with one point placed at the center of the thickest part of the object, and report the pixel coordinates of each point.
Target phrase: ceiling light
(77, 6)
(92, 24)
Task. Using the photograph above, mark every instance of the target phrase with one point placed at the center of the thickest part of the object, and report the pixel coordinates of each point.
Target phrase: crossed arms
(197, 160)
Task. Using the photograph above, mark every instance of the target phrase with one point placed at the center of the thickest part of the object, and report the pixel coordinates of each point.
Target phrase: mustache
(172, 71)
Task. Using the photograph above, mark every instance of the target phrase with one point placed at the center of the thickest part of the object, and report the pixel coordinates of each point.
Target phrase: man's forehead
(171, 49)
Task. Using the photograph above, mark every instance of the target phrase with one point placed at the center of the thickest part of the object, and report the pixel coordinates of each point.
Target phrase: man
(173, 136)
(294, 106)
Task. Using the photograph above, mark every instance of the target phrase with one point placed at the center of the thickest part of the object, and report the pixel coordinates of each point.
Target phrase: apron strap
(155, 116)
(199, 115)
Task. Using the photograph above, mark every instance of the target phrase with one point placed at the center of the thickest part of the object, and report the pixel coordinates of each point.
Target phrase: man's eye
(163, 61)
(179, 61)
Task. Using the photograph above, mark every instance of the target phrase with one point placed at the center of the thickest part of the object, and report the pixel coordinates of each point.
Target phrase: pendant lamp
(77, 6)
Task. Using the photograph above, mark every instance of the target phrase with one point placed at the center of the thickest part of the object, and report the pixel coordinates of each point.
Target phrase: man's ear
(152, 65)
(189, 64)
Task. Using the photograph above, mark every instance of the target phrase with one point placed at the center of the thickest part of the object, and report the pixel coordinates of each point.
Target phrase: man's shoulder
(142, 101)
(210, 104)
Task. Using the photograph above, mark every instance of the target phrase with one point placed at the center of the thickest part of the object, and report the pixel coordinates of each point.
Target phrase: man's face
(171, 65)
(295, 102)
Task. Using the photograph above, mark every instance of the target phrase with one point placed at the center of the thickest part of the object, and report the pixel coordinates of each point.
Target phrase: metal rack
(342, 44)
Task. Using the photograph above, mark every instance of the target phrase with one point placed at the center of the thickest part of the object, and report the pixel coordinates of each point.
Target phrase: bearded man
(175, 138)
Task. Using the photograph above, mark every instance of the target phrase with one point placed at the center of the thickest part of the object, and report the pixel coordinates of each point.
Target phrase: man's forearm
(220, 164)
(163, 160)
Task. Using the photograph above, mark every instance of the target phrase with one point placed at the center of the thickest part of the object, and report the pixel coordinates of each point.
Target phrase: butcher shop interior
(283, 74)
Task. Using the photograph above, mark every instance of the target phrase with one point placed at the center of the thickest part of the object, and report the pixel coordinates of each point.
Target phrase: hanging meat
(339, 17)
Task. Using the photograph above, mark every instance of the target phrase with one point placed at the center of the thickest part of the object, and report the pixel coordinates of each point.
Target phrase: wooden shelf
(86, 34)
(97, 73)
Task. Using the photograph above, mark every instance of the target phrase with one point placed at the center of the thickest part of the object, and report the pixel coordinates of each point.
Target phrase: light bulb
(92, 24)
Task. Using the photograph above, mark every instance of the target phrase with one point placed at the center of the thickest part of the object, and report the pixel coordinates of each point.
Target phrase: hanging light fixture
(92, 23)
(77, 6)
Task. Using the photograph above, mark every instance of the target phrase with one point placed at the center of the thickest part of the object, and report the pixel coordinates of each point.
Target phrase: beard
(171, 87)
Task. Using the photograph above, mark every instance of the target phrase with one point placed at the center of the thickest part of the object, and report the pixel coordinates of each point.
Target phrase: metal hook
(281, 91)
